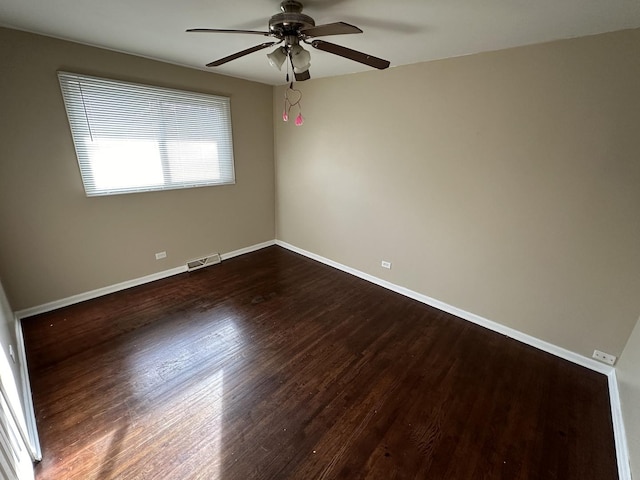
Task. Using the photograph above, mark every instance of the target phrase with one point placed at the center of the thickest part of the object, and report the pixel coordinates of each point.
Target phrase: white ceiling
(402, 31)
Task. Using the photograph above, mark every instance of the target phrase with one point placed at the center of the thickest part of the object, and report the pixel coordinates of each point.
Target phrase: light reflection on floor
(174, 381)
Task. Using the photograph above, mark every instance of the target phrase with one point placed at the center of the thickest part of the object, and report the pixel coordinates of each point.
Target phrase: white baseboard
(99, 292)
(622, 448)
(242, 251)
(471, 317)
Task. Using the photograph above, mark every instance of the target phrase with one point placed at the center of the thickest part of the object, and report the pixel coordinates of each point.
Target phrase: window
(138, 138)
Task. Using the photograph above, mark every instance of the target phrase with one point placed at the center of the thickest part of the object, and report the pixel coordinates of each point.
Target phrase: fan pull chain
(289, 58)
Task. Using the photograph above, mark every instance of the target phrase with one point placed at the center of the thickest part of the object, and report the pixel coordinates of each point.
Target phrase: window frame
(217, 107)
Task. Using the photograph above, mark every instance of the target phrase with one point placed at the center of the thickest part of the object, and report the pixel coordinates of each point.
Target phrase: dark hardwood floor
(273, 366)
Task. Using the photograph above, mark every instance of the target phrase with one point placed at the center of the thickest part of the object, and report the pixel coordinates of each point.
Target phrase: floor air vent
(203, 262)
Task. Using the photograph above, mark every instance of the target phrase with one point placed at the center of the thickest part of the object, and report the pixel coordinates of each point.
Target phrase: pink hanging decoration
(289, 103)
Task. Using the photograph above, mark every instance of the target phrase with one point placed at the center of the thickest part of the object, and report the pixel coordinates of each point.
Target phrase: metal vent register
(203, 262)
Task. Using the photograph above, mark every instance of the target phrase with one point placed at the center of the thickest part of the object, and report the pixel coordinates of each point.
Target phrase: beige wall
(628, 373)
(56, 242)
(506, 184)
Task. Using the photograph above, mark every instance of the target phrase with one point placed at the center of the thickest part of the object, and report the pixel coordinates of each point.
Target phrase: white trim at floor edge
(471, 317)
(619, 434)
(622, 453)
(81, 297)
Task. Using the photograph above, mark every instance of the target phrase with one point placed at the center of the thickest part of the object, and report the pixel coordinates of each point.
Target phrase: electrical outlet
(604, 357)
(161, 255)
(386, 264)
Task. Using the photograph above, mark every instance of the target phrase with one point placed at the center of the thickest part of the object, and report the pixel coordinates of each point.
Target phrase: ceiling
(402, 31)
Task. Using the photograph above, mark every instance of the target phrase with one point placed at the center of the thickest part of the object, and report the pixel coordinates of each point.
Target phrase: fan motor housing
(291, 20)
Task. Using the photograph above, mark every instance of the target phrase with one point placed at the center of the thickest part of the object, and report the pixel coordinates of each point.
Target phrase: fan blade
(218, 30)
(217, 63)
(338, 28)
(301, 77)
(354, 55)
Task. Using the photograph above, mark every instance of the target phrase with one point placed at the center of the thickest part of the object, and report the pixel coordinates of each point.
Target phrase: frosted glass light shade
(277, 57)
(300, 58)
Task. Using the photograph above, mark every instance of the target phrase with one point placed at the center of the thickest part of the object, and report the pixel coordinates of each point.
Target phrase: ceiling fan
(293, 27)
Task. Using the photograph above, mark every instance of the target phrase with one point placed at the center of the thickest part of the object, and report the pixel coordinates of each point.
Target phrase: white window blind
(136, 138)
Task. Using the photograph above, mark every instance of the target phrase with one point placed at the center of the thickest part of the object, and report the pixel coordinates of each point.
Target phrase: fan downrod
(291, 6)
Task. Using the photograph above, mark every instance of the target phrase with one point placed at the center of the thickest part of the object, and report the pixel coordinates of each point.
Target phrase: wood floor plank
(273, 366)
